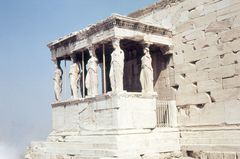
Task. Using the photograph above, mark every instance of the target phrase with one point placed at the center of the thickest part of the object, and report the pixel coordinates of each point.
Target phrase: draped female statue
(58, 82)
(74, 78)
(117, 65)
(92, 74)
(146, 75)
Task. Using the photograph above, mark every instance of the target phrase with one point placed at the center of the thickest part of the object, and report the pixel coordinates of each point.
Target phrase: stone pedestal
(114, 125)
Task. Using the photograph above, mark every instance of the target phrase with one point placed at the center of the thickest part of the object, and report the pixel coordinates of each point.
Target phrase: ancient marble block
(123, 111)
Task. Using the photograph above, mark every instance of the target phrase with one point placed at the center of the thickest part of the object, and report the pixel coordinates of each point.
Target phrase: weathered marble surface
(92, 74)
(202, 76)
(58, 82)
(117, 65)
(119, 125)
(146, 75)
(74, 77)
(204, 71)
(107, 146)
(105, 113)
(115, 26)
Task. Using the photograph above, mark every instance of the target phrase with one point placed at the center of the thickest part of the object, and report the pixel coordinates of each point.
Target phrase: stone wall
(205, 69)
(109, 126)
(127, 111)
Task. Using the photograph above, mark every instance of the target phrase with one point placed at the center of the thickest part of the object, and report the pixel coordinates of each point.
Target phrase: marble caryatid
(58, 81)
(74, 76)
(117, 65)
(146, 75)
(92, 74)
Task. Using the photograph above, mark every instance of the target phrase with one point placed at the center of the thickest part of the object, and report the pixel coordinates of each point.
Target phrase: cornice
(115, 20)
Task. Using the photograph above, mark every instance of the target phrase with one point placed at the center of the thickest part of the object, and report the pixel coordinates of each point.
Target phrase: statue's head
(73, 58)
(91, 50)
(146, 50)
(116, 43)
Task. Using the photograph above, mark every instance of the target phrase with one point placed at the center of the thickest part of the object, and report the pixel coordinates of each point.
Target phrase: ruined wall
(205, 69)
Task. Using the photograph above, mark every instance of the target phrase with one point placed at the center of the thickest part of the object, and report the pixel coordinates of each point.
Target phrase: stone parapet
(107, 113)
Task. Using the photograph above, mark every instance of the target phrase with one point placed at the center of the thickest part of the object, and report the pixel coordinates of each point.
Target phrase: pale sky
(26, 70)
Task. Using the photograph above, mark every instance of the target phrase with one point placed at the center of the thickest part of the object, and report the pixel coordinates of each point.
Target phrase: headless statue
(58, 82)
(146, 75)
(117, 65)
(74, 78)
(92, 74)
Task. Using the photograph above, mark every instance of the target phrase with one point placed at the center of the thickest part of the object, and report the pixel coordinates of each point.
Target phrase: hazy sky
(26, 71)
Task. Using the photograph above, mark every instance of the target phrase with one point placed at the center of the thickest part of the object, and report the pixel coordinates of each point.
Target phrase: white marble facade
(117, 123)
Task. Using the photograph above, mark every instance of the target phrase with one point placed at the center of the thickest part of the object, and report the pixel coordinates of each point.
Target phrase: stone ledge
(210, 128)
(208, 147)
(103, 97)
(115, 20)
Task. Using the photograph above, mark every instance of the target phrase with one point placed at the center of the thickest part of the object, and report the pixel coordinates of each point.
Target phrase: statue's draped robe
(74, 77)
(146, 75)
(116, 70)
(58, 83)
(92, 77)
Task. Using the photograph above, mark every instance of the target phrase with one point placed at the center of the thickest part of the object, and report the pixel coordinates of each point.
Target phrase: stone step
(216, 141)
(87, 151)
(211, 134)
(83, 152)
(76, 147)
(88, 157)
(110, 139)
(212, 147)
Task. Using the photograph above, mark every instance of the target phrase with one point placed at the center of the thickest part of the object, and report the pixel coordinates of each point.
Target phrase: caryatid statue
(74, 76)
(146, 75)
(92, 74)
(58, 81)
(117, 65)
